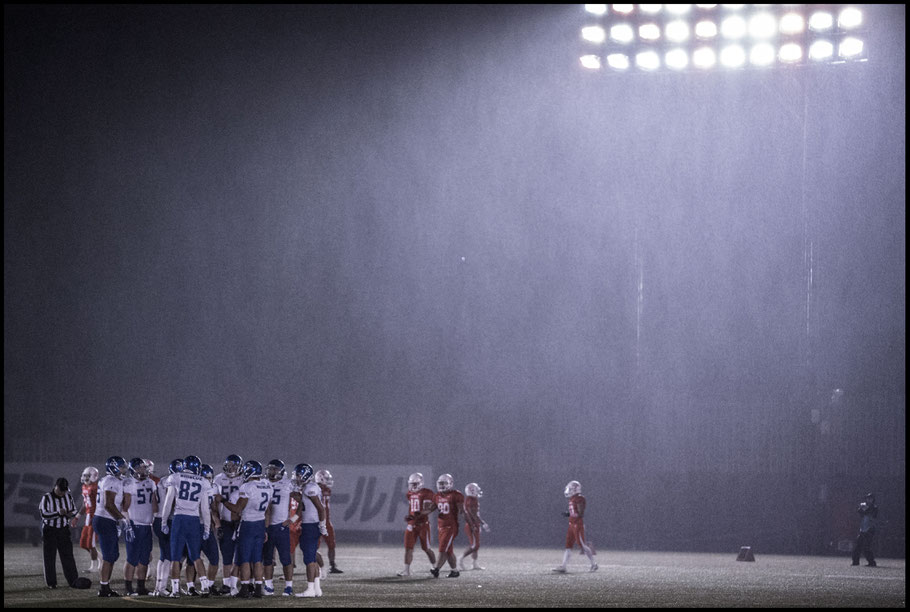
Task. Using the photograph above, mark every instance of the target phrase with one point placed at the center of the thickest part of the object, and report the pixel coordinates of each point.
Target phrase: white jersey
(210, 493)
(190, 493)
(259, 494)
(161, 492)
(142, 492)
(109, 483)
(308, 510)
(281, 500)
(227, 486)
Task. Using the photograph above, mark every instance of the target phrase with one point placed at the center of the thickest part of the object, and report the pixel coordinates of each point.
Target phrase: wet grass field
(521, 577)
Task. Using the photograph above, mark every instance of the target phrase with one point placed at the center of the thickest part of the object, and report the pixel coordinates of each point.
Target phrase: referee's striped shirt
(55, 511)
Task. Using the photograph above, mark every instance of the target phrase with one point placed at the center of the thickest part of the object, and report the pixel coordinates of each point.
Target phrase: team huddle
(242, 517)
(239, 518)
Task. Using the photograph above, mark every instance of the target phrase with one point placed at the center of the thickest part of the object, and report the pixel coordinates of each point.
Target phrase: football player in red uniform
(450, 503)
(418, 529)
(576, 531)
(326, 481)
(89, 495)
(472, 493)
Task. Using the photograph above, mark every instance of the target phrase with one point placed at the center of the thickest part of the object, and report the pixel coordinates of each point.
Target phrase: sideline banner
(364, 498)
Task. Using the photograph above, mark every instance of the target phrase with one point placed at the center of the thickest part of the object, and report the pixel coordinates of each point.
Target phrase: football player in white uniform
(279, 528)
(140, 500)
(255, 508)
(110, 520)
(163, 572)
(313, 524)
(186, 494)
(228, 481)
(209, 545)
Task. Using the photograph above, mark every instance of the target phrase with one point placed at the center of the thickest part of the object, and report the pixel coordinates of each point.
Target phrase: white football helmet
(472, 489)
(324, 477)
(415, 482)
(573, 488)
(89, 475)
(151, 465)
(445, 483)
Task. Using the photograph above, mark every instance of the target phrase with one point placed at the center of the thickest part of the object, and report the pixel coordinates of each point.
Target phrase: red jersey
(448, 507)
(89, 494)
(575, 502)
(326, 496)
(471, 503)
(292, 510)
(416, 502)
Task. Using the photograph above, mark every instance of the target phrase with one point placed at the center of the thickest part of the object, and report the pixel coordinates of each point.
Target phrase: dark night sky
(415, 234)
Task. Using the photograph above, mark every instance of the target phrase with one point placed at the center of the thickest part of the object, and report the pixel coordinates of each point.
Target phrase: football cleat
(307, 593)
(115, 466)
(593, 567)
(445, 483)
(435, 572)
(472, 489)
(454, 574)
(405, 572)
(232, 465)
(191, 591)
(288, 592)
(573, 488)
(335, 570)
(89, 475)
(267, 590)
(108, 593)
(324, 477)
(415, 482)
(560, 570)
(477, 567)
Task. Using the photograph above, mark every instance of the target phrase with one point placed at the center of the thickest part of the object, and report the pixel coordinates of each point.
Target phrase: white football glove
(205, 535)
(128, 534)
(484, 526)
(164, 528)
(323, 529)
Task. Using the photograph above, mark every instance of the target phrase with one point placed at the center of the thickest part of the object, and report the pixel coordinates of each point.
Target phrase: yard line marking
(163, 603)
(864, 577)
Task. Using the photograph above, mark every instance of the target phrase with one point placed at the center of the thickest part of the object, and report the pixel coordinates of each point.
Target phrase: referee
(57, 508)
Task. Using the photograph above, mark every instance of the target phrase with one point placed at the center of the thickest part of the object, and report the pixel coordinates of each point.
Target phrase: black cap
(63, 484)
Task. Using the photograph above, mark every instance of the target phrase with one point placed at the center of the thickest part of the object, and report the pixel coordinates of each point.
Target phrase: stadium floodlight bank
(687, 37)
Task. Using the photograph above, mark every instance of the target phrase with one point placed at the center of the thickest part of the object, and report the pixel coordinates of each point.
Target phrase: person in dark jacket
(864, 541)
